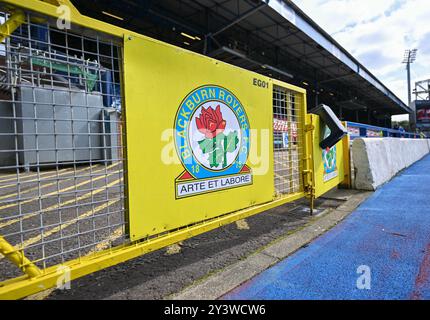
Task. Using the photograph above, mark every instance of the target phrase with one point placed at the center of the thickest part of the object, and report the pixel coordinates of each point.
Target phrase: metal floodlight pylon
(409, 57)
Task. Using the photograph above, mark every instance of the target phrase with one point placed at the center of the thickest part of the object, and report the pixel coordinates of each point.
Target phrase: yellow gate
(115, 145)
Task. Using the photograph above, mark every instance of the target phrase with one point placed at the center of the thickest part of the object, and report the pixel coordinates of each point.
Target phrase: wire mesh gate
(288, 141)
(62, 157)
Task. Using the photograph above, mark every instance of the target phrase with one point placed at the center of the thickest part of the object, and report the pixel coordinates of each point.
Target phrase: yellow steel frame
(50, 9)
(308, 173)
(320, 186)
(25, 286)
(178, 66)
(18, 258)
(346, 141)
(7, 28)
(37, 280)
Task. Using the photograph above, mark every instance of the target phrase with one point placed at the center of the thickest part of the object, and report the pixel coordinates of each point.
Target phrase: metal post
(408, 69)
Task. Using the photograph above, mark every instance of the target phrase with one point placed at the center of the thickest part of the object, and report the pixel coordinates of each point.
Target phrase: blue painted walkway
(389, 232)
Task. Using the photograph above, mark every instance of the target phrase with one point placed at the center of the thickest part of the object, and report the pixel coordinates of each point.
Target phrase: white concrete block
(378, 160)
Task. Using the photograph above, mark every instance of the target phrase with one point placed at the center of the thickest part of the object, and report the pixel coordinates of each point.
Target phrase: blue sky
(377, 32)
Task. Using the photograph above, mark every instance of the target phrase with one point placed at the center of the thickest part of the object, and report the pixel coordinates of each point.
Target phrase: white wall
(377, 160)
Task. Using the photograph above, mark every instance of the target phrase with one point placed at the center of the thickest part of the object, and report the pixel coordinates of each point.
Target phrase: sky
(376, 33)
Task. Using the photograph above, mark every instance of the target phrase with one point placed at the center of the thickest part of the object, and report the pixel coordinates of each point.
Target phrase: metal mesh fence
(288, 144)
(61, 151)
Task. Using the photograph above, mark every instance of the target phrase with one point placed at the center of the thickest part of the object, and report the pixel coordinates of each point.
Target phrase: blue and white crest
(212, 135)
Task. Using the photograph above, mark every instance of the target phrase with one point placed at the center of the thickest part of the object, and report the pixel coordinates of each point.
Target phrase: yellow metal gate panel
(171, 94)
(329, 169)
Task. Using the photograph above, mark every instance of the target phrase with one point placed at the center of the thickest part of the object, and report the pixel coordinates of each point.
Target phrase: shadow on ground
(157, 274)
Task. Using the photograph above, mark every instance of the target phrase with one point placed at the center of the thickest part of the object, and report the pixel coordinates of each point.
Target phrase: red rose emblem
(211, 122)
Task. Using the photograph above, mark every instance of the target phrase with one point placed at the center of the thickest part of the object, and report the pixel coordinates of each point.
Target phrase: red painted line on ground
(423, 276)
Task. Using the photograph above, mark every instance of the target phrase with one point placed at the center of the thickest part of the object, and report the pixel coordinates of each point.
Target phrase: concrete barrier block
(377, 160)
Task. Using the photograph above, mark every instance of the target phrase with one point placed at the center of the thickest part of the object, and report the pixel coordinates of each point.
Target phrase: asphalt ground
(381, 251)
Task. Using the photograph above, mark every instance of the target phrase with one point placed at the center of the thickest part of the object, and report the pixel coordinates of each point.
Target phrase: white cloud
(377, 34)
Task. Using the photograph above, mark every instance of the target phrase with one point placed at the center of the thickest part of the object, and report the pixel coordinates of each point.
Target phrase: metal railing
(357, 130)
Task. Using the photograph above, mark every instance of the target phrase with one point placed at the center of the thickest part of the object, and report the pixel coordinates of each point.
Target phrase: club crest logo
(329, 159)
(212, 142)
